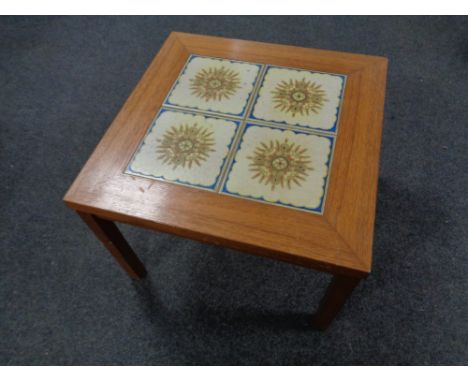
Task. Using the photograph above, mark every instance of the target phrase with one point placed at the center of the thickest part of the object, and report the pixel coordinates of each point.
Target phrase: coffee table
(268, 149)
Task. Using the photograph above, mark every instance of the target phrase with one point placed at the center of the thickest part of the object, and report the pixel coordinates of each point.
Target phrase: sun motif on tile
(282, 164)
(185, 145)
(209, 84)
(298, 97)
(184, 148)
(215, 83)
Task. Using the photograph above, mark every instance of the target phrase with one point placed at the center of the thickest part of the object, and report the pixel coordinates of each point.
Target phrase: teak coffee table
(269, 149)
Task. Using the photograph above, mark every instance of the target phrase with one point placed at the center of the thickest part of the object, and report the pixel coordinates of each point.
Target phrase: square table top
(266, 148)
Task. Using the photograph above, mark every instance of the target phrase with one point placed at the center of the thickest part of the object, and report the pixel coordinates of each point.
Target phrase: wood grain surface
(339, 242)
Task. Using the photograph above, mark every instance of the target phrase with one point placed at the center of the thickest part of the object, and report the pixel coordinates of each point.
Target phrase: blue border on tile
(338, 108)
(162, 110)
(318, 209)
(184, 69)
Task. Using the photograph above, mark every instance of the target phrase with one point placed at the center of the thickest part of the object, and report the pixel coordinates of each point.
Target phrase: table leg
(112, 238)
(335, 297)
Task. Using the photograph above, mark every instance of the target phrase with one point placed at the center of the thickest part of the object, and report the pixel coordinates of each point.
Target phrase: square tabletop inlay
(269, 149)
(246, 129)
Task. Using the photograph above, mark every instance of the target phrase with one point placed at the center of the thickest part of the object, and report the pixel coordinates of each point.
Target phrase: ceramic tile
(231, 127)
(281, 166)
(184, 148)
(299, 97)
(216, 85)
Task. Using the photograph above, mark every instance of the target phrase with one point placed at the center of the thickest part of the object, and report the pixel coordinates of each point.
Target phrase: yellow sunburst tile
(184, 148)
(282, 167)
(300, 98)
(216, 85)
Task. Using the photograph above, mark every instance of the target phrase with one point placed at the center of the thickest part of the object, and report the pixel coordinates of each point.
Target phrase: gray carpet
(64, 301)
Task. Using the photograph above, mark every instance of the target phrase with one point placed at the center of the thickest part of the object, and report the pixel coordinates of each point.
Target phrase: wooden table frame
(338, 242)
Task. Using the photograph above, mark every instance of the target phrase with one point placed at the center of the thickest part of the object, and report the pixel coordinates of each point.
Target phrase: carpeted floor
(64, 301)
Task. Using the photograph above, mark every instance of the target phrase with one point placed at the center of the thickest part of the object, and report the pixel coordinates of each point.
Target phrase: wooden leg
(112, 238)
(336, 295)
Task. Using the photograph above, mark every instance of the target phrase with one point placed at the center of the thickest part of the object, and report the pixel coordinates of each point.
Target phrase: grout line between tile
(285, 126)
(230, 157)
(204, 113)
(232, 153)
(255, 90)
